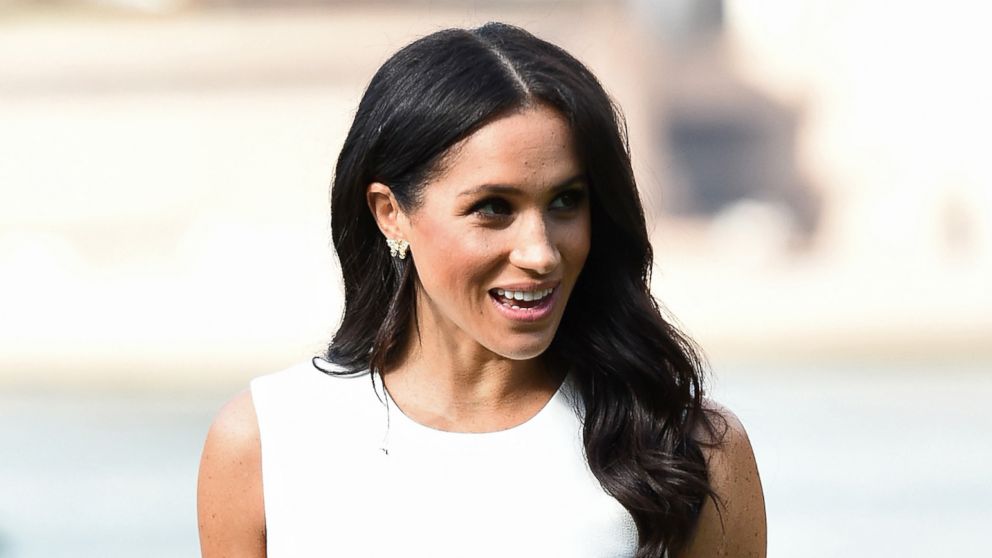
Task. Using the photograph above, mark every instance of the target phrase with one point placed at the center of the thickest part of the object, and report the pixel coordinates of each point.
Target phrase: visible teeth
(524, 295)
(515, 307)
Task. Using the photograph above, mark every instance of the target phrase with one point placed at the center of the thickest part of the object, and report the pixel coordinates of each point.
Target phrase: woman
(526, 397)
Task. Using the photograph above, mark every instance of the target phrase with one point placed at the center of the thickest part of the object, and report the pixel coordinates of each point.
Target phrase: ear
(393, 223)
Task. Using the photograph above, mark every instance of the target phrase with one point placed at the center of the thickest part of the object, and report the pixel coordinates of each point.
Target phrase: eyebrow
(507, 189)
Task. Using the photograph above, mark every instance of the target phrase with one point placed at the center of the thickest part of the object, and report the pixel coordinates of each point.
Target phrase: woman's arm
(738, 527)
(229, 491)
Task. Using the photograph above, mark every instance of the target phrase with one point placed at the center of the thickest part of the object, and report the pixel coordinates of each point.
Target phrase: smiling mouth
(522, 299)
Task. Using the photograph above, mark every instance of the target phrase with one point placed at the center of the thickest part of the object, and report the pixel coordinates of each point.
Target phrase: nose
(534, 248)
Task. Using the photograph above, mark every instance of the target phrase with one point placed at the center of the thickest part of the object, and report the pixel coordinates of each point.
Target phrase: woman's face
(502, 233)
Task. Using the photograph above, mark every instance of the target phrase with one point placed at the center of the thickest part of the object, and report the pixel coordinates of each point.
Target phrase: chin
(522, 351)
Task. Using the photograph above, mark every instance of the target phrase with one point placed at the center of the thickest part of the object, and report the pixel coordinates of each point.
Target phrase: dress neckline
(550, 403)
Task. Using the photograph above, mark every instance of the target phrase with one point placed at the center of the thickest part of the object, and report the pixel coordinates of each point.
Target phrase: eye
(492, 208)
(569, 199)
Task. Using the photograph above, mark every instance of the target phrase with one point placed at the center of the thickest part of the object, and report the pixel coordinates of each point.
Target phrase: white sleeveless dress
(345, 475)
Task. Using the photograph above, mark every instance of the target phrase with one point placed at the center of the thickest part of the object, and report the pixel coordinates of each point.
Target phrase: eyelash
(577, 195)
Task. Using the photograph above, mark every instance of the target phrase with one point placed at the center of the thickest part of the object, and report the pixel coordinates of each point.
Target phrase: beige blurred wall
(164, 181)
(165, 178)
(895, 113)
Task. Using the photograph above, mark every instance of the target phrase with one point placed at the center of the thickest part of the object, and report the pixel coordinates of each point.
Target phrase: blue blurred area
(856, 460)
(100, 474)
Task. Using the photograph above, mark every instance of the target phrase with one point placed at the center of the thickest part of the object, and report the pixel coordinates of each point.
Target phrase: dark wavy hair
(639, 377)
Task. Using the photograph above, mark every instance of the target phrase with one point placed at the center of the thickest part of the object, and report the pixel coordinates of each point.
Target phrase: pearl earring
(397, 248)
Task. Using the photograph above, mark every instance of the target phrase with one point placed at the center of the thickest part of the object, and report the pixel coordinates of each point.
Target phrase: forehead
(529, 148)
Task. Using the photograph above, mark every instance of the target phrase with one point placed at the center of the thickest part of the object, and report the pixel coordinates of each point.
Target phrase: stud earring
(397, 248)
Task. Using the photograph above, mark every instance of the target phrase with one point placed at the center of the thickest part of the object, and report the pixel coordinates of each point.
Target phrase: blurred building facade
(811, 171)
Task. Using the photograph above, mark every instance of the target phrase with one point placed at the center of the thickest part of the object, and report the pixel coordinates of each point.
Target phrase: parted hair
(640, 379)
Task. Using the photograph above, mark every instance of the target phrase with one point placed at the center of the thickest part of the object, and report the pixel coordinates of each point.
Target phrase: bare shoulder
(735, 525)
(229, 491)
(235, 423)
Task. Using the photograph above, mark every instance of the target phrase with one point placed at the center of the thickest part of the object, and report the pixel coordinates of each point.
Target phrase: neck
(447, 381)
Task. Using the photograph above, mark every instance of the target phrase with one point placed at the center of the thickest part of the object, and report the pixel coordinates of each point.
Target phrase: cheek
(576, 240)
(450, 256)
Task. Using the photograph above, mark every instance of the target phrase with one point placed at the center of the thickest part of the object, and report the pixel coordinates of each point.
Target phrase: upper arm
(229, 490)
(735, 526)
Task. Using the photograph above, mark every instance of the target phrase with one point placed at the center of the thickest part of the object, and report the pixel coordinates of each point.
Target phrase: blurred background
(819, 197)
